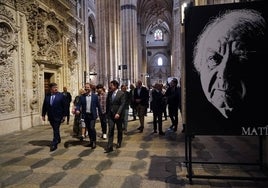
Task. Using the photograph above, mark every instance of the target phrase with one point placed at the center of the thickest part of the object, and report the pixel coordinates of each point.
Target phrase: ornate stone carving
(8, 39)
(8, 42)
(34, 104)
(72, 53)
(8, 45)
(6, 15)
(31, 12)
(22, 63)
(7, 92)
(45, 35)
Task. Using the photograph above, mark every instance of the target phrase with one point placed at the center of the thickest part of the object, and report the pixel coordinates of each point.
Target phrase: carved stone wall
(8, 61)
(34, 40)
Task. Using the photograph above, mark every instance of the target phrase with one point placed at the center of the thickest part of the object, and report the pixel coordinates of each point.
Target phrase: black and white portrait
(227, 75)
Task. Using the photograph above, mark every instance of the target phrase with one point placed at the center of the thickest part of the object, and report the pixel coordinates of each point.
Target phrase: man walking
(174, 103)
(141, 98)
(115, 114)
(55, 107)
(88, 105)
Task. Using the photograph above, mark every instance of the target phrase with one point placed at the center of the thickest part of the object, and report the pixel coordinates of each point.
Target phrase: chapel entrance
(48, 78)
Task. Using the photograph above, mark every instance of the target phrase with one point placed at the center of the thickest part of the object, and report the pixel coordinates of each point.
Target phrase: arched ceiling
(155, 13)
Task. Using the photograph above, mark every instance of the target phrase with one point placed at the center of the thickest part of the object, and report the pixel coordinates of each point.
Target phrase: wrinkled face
(223, 71)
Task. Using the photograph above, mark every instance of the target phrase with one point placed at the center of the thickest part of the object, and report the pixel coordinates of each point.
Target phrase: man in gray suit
(115, 113)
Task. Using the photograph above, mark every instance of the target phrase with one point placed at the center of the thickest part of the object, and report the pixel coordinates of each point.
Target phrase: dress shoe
(53, 148)
(93, 145)
(139, 128)
(90, 144)
(171, 127)
(161, 133)
(118, 145)
(108, 150)
(59, 141)
(82, 138)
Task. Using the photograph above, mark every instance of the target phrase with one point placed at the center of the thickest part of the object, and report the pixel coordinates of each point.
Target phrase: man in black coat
(173, 95)
(69, 100)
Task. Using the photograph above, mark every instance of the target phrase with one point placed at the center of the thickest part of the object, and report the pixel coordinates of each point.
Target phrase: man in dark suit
(115, 114)
(54, 106)
(88, 105)
(141, 98)
(173, 95)
(69, 100)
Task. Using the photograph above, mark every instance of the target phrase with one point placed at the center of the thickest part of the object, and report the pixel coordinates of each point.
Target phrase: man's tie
(52, 99)
(113, 96)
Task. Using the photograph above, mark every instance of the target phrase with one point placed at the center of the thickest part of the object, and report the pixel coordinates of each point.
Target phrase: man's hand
(73, 111)
(117, 116)
(43, 118)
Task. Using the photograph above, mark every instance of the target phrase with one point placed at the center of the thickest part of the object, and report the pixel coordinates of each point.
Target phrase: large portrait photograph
(225, 64)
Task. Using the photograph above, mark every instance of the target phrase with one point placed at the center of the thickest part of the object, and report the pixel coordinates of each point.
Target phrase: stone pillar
(128, 20)
(177, 46)
(86, 61)
(108, 40)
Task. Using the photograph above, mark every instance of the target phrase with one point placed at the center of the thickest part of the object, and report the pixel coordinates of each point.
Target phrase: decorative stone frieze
(8, 47)
(72, 54)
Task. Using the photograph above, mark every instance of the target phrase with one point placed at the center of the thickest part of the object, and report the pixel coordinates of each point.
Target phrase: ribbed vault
(155, 13)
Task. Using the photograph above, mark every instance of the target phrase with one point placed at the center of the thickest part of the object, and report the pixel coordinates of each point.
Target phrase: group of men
(114, 110)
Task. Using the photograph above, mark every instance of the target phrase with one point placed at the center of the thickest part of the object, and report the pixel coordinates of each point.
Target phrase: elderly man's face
(221, 73)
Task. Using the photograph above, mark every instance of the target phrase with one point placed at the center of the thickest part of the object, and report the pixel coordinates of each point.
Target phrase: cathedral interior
(73, 42)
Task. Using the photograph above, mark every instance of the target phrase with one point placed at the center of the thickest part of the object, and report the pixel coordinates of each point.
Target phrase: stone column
(108, 40)
(177, 46)
(128, 21)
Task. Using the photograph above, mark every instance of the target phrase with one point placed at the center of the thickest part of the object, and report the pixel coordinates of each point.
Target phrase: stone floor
(144, 160)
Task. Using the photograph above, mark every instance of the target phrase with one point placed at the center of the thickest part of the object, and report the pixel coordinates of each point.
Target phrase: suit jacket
(116, 106)
(82, 105)
(57, 110)
(68, 97)
(173, 97)
(157, 104)
(144, 96)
